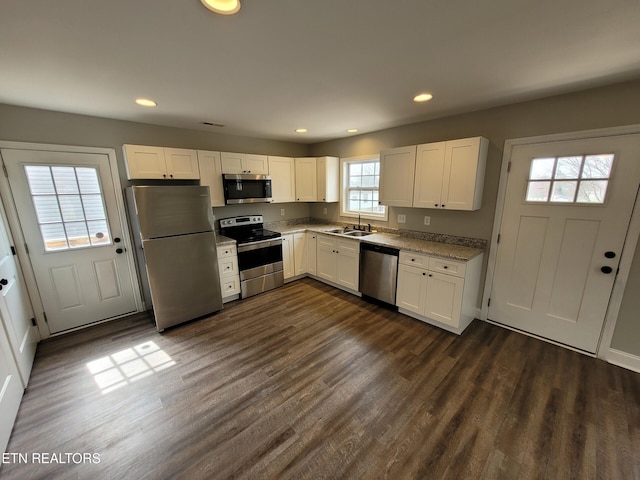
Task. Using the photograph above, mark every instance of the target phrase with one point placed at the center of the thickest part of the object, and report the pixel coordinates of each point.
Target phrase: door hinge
(13, 250)
(509, 167)
(26, 247)
(4, 169)
(33, 321)
(44, 314)
(489, 303)
(498, 240)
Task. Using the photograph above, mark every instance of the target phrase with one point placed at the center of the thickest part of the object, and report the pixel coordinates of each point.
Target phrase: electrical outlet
(324, 210)
(427, 220)
(402, 218)
(282, 212)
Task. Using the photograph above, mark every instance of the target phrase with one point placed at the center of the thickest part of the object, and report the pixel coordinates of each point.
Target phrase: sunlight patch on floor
(127, 366)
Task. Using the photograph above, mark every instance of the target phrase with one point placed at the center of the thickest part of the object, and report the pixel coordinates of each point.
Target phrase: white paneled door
(66, 204)
(566, 213)
(16, 312)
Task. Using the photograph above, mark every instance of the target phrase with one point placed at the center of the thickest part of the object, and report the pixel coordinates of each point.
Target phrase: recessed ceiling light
(423, 97)
(145, 102)
(352, 130)
(223, 7)
(301, 130)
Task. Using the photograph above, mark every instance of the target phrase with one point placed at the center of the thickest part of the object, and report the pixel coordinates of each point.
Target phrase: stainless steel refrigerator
(176, 251)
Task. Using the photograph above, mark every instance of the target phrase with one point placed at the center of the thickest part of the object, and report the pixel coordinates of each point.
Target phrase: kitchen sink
(357, 233)
(334, 230)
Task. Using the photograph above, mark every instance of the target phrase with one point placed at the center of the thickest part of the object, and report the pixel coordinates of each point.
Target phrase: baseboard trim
(623, 359)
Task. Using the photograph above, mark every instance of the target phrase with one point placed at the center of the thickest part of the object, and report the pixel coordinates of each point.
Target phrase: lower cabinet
(438, 291)
(311, 245)
(338, 261)
(294, 254)
(229, 272)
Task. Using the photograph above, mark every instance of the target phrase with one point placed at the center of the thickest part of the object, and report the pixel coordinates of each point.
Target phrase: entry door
(11, 390)
(68, 212)
(16, 311)
(567, 209)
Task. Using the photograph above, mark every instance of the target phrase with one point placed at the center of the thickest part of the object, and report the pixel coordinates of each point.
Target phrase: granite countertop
(221, 241)
(409, 243)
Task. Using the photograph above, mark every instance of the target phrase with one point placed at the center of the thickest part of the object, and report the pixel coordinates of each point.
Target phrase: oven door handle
(246, 247)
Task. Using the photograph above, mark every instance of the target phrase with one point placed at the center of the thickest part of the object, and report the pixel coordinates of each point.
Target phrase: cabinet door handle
(445, 267)
(430, 275)
(423, 273)
(436, 205)
(606, 270)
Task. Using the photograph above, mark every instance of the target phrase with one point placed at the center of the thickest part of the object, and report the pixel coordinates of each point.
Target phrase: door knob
(606, 270)
(610, 254)
(119, 251)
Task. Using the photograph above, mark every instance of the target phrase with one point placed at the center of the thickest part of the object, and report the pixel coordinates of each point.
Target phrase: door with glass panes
(566, 213)
(68, 212)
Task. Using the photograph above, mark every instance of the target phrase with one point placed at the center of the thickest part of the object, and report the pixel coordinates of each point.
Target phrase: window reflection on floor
(127, 366)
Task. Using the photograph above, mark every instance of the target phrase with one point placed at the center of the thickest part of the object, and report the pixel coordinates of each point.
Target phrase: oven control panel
(239, 221)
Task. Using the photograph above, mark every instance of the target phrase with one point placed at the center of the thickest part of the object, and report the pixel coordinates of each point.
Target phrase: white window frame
(344, 190)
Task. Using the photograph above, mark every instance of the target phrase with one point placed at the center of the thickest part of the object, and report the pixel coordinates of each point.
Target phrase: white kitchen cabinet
(348, 263)
(311, 245)
(306, 180)
(288, 259)
(326, 258)
(338, 261)
(160, 163)
(447, 175)
(427, 187)
(318, 179)
(439, 291)
(299, 254)
(464, 168)
(283, 179)
(229, 272)
(450, 175)
(397, 173)
(411, 292)
(328, 176)
(210, 167)
(248, 163)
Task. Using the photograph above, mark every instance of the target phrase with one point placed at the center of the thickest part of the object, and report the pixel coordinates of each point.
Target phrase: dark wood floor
(310, 382)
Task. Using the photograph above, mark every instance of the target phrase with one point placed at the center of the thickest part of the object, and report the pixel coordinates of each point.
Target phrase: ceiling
(325, 65)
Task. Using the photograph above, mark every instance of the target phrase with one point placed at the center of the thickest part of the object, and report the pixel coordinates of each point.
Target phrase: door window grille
(69, 206)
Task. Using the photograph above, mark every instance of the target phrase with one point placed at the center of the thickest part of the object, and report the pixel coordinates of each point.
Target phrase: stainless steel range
(259, 253)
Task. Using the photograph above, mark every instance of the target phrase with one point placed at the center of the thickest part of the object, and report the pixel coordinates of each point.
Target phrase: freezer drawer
(183, 277)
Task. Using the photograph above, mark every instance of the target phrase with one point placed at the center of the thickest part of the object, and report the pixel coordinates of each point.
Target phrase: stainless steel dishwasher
(378, 272)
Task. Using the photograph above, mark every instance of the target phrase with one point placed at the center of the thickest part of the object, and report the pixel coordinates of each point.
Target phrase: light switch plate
(282, 211)
(427, 220)
(402, 218)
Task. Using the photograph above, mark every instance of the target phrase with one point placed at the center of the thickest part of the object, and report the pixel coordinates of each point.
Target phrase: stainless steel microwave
(246, 188)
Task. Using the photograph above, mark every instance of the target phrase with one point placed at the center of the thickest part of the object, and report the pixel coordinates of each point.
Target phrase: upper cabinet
(282, 171)
(328, 174)
(397, 171)
(160, 163)
(317, 179)
(306, 180)
(210, 166)
(464, 166)
(448, 175)
(249, 163)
